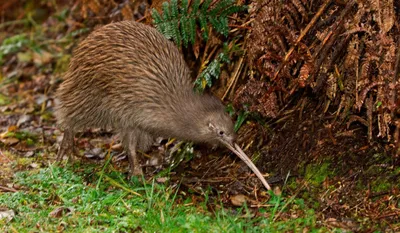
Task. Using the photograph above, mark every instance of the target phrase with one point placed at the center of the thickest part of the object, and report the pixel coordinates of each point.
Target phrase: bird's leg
(136, 168)
(67, 146)
(130, 141)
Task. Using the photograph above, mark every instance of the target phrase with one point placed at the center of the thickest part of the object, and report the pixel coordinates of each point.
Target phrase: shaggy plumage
(128, 77)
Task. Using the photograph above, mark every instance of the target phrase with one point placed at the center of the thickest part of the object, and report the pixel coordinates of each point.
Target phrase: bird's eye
(221, 133)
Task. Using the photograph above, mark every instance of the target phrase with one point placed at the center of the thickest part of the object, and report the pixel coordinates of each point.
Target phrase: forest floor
(323, 179)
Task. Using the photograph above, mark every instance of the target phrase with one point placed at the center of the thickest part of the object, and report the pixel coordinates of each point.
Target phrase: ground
(326, 176)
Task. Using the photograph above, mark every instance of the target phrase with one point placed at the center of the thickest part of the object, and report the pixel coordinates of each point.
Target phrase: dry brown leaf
(238, 200)
(42, 57)
(384, 14)
(126, 12)
(60, 212)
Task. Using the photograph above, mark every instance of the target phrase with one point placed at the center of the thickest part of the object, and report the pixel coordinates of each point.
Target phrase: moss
(317, 173)
(292, 184)
(381, 185)
(24, 161)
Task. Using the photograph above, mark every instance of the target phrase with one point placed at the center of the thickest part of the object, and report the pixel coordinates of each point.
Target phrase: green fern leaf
(185, 31)
(168, 22)
(156, 16)
(195, 7)
(223, 26)
(192, 30)
(223, 4)
(174, 9)
(179, 20)
(203, 26)
(157, 20)
(212, 71)
(185, 7)
(232, 9)
(204, 7)
(176, 35)
(166, 11)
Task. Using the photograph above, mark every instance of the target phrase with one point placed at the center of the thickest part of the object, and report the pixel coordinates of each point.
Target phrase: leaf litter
(37, 52)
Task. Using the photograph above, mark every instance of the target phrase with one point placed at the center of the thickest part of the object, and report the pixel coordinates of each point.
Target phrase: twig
(115, 183)
(15, 22)
(364, 93)
(7, 189)
(396, 74)
(234, 77)
(302, 34)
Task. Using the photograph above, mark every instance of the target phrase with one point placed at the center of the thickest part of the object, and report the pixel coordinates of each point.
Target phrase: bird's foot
(67, 148)
(136, 170)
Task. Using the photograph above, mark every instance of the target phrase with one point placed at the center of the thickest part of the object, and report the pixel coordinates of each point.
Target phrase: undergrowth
(82, 200)
(179, 20)
(212, 71)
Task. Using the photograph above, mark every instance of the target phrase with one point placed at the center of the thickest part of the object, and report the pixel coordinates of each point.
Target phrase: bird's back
(121, 74)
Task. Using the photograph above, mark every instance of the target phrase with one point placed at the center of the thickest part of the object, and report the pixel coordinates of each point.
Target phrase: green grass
(106, 202)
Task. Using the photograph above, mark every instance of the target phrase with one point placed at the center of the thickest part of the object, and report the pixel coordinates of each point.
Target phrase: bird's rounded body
(128, 77)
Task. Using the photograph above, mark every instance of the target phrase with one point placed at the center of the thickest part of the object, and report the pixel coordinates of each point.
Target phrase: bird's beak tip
(238, 151)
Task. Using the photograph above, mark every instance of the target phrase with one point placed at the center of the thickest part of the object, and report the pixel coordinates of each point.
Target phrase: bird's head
(214, 126)
(218, 128)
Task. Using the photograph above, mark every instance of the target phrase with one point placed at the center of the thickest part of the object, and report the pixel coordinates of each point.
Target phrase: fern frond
(185, 7)
(220, 24)
(179, 20)
(185, 30)
(174, 9)
(212, 71)
(223, 4)
(166, 11)
(195, 6)
(192, 30)
(203, 26)
(204, 7)
(232, 9)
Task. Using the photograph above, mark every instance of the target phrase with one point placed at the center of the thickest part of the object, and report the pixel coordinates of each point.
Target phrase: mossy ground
(84, 198)
(328, 182)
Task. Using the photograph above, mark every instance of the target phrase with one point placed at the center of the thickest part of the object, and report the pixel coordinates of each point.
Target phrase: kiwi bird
(126, 76)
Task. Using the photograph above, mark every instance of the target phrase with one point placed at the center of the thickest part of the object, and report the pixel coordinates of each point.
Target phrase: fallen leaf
(29, 154)
(34, 165)
(161, 179)
(7, 214)
(42, 57)
(23, 119)
(238, 200)
(10, 141)
(95, 153)
(60, 211)
(344, 224)
(117, 146)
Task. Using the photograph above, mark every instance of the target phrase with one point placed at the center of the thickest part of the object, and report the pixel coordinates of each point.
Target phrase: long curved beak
(238, 151)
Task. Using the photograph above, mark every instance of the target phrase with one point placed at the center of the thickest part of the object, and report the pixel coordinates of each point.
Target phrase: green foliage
(212, 71)
(179, 20)
(12, 45)
(4, 100)
(242, 116)
(25, 136)
(316, 174)
(57, 198)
